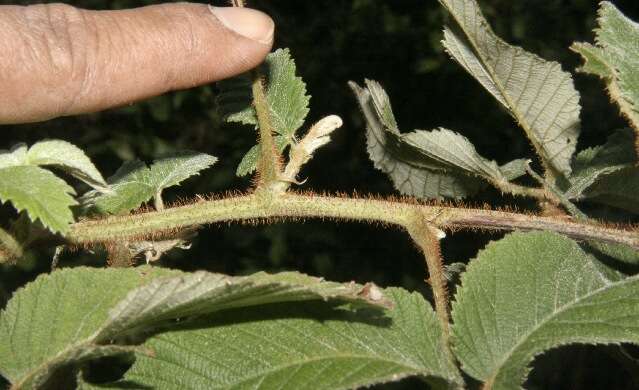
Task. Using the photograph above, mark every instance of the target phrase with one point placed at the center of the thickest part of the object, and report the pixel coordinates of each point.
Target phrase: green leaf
(69, 158)
(129, 189)
(250, 159)
(514, 169)
(615, 59)
(59, 320)
(539, 95)
(457, 152)
(286, 94)
(61, 154)
(531, 292)
(426, 164)
(620, 189)
(174, 169)
(16, 156)
(298, 347)
(620, 252)
(596, 163)
(286, 97)
(135, 183)
(41, 193)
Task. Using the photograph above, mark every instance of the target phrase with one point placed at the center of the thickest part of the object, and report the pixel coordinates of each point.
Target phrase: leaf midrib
(502, 91)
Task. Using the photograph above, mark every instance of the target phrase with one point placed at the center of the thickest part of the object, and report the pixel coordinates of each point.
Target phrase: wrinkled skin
(60, 60)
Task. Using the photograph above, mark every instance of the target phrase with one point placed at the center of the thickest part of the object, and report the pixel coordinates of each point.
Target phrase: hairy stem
(427, 239)
(518, 190)
(269, 166)
(10, 249)
(291, 205)
(562, 200)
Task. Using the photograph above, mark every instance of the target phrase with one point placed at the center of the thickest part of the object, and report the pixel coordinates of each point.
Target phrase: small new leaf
(426, 164)
(58, 321)
(250, 159)
(172, 170)
(42, 194)
(129, 189)
(615, 58)
(539, 95)
(531, 292)
(135, 183)
(286, 97)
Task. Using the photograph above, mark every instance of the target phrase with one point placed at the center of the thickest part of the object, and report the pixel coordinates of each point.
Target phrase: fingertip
(249, 23)
(114, 58)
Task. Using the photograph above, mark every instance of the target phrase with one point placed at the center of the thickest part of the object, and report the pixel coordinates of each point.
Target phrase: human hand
(59, 60)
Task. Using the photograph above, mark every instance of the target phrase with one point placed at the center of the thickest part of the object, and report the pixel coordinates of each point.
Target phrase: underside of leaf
(615, 58)
(539, 95)
(426, 164)
(596, 164)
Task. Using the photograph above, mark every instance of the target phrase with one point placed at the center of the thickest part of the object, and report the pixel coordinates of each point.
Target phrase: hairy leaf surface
(172, 170)
(620, 189)
(135, 183)
(286, 97)
(539, 95)
(426, 164)
(250, 159)
(130, 188)
(58, 320)
(15, 156)
(61, 154)
(530, 292)
(298, 347)
(615, 58)
(608, 173)
(42, 194)
(594, 164)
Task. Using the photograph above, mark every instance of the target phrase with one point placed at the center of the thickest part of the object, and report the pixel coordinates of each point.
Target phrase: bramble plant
(555, 280)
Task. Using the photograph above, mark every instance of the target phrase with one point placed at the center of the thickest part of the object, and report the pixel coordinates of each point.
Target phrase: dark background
(398, 44)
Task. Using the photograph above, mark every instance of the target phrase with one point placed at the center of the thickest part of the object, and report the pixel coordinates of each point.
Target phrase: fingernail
(247, 22)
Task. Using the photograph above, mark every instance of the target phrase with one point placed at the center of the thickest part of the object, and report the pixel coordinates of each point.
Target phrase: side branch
(427, 239)
(269, 166)
(292, 205)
